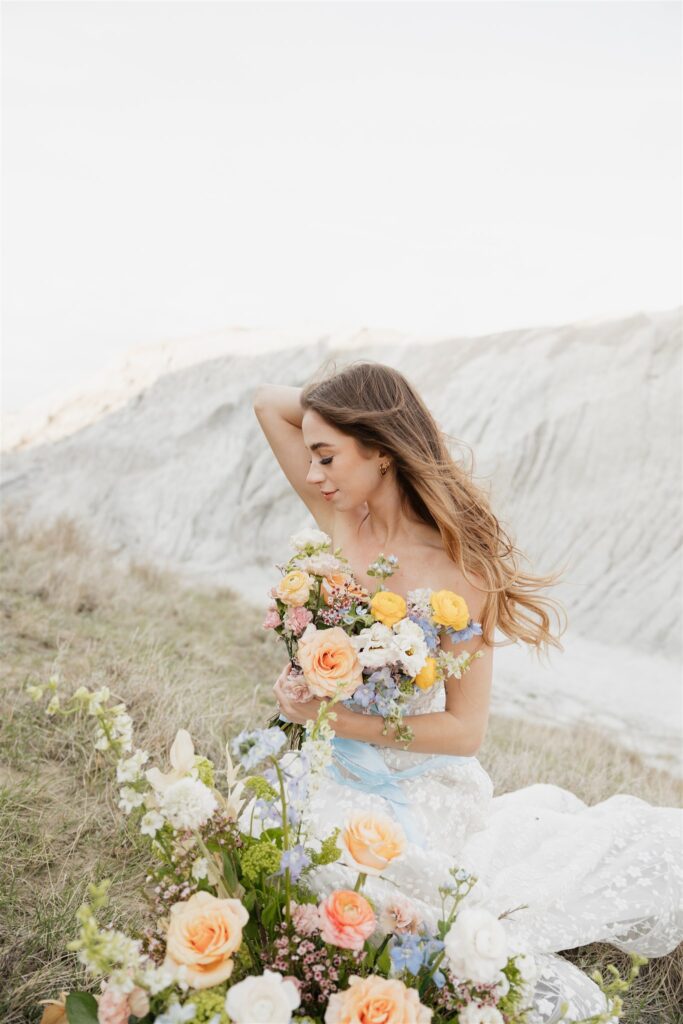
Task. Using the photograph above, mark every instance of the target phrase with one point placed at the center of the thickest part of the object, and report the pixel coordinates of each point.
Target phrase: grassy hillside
(194, 658)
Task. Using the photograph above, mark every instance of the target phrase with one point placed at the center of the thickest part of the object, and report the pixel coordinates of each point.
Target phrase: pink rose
(296, 619)
(272, 619)
(296, 688)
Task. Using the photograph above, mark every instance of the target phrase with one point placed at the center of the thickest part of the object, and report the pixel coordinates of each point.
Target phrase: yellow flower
(388, 607)
(294, 588)
(426, 677)
(449, 609)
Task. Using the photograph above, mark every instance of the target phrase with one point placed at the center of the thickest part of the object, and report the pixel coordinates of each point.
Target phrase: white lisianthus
(128, 769)
(476, 946)
(409, 639)
(474, 1013)
(187, 803)
(150, 823)
(268, 999)
(130, 798)
(375, 646)
(309, 537)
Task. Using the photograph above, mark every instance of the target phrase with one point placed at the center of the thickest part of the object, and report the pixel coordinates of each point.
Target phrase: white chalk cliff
(577, 428)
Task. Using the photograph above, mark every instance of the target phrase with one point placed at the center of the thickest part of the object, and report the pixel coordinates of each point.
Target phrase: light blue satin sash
(370, 772)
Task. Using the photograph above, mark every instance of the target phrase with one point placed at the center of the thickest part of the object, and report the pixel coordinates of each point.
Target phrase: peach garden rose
(376, 1000)
(329, 661)
(371, 841)
(203, 934)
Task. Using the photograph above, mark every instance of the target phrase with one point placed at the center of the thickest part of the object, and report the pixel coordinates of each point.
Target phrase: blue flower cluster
(430, 630)
(253, 746)
(413, 952)
(296, 860)
(470, 630)
(379, 689)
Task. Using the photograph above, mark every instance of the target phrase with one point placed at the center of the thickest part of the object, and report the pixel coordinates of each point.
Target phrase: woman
(365, 455)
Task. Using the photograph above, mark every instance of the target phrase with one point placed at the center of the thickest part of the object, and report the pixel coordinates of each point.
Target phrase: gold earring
(384, 468)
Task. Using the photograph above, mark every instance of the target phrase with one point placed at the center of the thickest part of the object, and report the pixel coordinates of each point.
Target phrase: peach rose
(346, 919)
(449, 609)
(376, 1000)
(388, 607)
(331, 580)
(400, 917)
(294, 588)
(426, 677)
(55, 1010)
(372, 840)
(329, 661)
(203, 933)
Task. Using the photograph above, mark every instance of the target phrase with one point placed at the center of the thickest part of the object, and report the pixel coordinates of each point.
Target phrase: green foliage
(329, 851)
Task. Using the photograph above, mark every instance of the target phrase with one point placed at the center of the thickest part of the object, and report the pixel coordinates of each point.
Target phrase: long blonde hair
(376, 405)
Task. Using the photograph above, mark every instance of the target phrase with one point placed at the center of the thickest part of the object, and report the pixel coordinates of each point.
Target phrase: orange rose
(294, 588)
(372, 841)
(346, 919)
(329, 661)
(203, 933)
(376, 1000)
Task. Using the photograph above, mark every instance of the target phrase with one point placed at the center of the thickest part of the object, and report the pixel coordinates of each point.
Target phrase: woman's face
(338, 464)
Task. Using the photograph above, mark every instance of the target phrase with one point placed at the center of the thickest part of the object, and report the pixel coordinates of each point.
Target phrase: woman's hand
(294, 710)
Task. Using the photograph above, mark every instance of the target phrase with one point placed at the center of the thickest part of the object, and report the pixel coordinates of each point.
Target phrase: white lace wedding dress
(610, 872)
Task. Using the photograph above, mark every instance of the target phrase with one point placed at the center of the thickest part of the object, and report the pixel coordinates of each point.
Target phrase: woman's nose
(314, 476)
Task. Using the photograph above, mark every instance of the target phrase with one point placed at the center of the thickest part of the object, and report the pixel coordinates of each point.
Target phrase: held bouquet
(237, 933)
(368, 649)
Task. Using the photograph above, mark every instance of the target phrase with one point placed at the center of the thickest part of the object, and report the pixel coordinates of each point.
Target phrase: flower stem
(359, 881)
(285, 841)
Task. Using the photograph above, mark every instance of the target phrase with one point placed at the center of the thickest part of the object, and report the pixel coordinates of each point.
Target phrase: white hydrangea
(409, 640)
(187, 803)
(310, 537)
(476, 946)
(419, 600)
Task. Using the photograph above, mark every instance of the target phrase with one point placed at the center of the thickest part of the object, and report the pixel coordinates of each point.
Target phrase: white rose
(476, 946)
(321, 564)
(475, 1014)
(268, 999)
(309, 537)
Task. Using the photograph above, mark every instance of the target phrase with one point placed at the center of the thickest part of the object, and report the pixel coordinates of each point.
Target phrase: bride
(365, 455)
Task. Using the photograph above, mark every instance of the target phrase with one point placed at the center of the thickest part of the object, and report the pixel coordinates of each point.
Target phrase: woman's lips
(329, 494)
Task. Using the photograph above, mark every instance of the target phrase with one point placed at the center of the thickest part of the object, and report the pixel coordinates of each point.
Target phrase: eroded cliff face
(575, 429)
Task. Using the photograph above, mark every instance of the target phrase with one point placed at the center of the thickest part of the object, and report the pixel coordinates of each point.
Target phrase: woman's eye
(326, 462)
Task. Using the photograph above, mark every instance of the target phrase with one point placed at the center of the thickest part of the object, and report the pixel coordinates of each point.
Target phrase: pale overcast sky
(172, 168)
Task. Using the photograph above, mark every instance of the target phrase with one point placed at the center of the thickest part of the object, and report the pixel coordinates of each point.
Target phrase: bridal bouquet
(237, 934)
(371, 649)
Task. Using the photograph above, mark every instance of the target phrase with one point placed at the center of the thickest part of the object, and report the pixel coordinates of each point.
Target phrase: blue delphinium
(470, 630)
(296, 860)
(430, 631)
(406, 954)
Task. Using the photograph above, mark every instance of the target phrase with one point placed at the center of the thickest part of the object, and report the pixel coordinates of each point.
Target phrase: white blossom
(409, 639)
(309, 537)
(476, 946)
(130, 798)
(187, 803)
(268, 999)
(150, 823)
(128, 769)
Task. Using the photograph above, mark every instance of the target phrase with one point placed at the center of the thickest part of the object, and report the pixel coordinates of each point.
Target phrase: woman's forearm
(282, 399)
(438, 732)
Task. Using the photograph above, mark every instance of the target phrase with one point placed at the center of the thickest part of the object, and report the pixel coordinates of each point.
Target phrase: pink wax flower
(305, 917)
(272, 619)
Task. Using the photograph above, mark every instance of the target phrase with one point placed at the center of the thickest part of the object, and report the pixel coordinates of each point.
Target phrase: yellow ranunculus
(449, 609)
(388, 607)
(294, 588)
(426, 677)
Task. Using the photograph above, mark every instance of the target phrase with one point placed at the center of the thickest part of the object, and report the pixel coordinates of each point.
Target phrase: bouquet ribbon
(369, 772)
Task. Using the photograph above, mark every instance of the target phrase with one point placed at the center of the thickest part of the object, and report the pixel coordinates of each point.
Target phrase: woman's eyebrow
(320, 444)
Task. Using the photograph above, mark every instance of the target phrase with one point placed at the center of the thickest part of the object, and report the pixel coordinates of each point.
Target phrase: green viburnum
(261, 857)
(207, 1003)
(204, 770)
(329, 851)
(261, 789)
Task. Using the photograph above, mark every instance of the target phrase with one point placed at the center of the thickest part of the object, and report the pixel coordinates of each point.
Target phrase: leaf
(81, 1008)
(383, 964)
